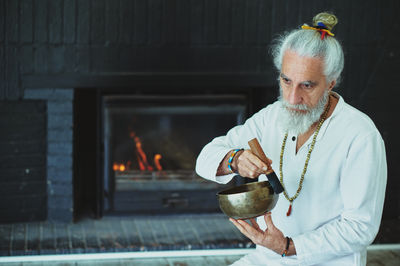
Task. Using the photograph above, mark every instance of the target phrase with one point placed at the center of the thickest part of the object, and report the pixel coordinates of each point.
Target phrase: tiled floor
(145, 233)
(109, 234)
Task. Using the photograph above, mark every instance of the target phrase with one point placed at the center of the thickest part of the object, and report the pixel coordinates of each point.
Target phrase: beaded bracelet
(231, 160)
(287, 247)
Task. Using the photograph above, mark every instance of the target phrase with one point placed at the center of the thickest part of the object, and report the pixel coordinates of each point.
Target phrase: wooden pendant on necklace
(289, 210)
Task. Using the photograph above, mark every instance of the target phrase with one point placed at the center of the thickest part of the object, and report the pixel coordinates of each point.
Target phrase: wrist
(292, 249)
(286, 247)
(232, 160)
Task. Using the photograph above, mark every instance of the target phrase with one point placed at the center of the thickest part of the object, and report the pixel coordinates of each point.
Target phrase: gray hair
(308, 43)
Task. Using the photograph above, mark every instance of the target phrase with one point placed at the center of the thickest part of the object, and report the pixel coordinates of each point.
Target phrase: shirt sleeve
(362, 187)
(214, 152)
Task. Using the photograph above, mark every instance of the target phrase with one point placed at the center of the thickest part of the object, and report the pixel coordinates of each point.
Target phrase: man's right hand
(247, 164)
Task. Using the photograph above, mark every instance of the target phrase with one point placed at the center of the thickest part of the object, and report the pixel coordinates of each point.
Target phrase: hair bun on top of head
(323, 23)
(325, 19)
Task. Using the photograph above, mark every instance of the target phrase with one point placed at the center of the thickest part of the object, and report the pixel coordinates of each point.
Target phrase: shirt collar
(325, 125)
(338, 108)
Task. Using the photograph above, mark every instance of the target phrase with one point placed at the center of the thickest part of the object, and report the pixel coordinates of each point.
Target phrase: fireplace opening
(151, 143)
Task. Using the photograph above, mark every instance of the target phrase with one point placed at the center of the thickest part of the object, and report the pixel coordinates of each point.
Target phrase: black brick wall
(107, 43)
(23, 161)
(59, 120)
(78, 37)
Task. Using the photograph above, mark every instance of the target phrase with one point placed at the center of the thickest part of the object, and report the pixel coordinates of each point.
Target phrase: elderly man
(329, 157)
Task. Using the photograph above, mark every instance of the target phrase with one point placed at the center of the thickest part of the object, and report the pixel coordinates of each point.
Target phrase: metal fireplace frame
(88, 152)
(184, 191)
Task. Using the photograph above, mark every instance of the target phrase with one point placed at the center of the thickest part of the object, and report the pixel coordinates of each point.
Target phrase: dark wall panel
(12, 21)
(154, 21)
(12, 73)
(126, 9)
(82, 59)
(41, 56)
(83, 21)
(26, 59)
(141, 24)
(56, 59)
(69, 21)
(40, 21)
(210, 22)
(2, 20)
(2, 73)
(97, 25)
(23, 161)
(55, 18)
(63, 40)
(238, 21)
(196, 14)
(26, 18)
(169, 22)
(80, 36)
(251, 22)
(224, 21)
(111, 22)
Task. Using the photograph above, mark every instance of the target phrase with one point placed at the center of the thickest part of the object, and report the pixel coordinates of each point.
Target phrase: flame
(119, 167)
(157, 159)
(141, 165)
(141, 158)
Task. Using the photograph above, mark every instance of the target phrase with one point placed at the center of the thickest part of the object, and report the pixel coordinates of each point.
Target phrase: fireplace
(150, 147)
(133, 151)
(130, 150)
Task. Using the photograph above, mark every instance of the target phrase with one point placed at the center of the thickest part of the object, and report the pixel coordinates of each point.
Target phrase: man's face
(302, 80)
(304, 92)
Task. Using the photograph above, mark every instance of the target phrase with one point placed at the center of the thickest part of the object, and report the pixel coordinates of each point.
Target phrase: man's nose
(294, 96)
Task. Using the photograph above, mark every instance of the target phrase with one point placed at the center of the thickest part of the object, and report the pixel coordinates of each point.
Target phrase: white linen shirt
(338, 211)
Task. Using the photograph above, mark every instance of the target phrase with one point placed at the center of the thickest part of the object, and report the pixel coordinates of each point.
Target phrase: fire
(141, 158)
(119, 167)
(157, 159)
(141, 165)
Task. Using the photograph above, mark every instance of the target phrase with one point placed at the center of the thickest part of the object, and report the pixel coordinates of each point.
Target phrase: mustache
(302, 107)
(290, 107)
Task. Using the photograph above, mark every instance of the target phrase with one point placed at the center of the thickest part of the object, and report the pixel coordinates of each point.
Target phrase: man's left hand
(272, 238)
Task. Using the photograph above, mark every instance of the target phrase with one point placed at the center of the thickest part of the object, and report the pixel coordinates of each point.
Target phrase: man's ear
(332, 85)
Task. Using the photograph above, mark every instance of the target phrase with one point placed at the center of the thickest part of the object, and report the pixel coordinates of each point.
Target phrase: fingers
(254, 223)
(250, 165)
(268, 220)
(254, 233)
(249, 171)
(251, 230)
(240, 227)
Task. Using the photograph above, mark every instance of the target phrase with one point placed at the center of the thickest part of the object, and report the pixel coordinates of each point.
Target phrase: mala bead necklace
(291, 199)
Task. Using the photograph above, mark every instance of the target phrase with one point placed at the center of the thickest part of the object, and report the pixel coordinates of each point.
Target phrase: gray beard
(299, 122)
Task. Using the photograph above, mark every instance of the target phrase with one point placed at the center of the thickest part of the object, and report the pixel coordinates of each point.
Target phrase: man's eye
(307, 86)
(286, 80)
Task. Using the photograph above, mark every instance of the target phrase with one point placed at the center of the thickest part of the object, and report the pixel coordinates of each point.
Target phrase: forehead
(296, 66)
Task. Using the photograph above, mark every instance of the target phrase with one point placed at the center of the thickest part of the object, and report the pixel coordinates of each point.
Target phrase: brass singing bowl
(247, 201)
